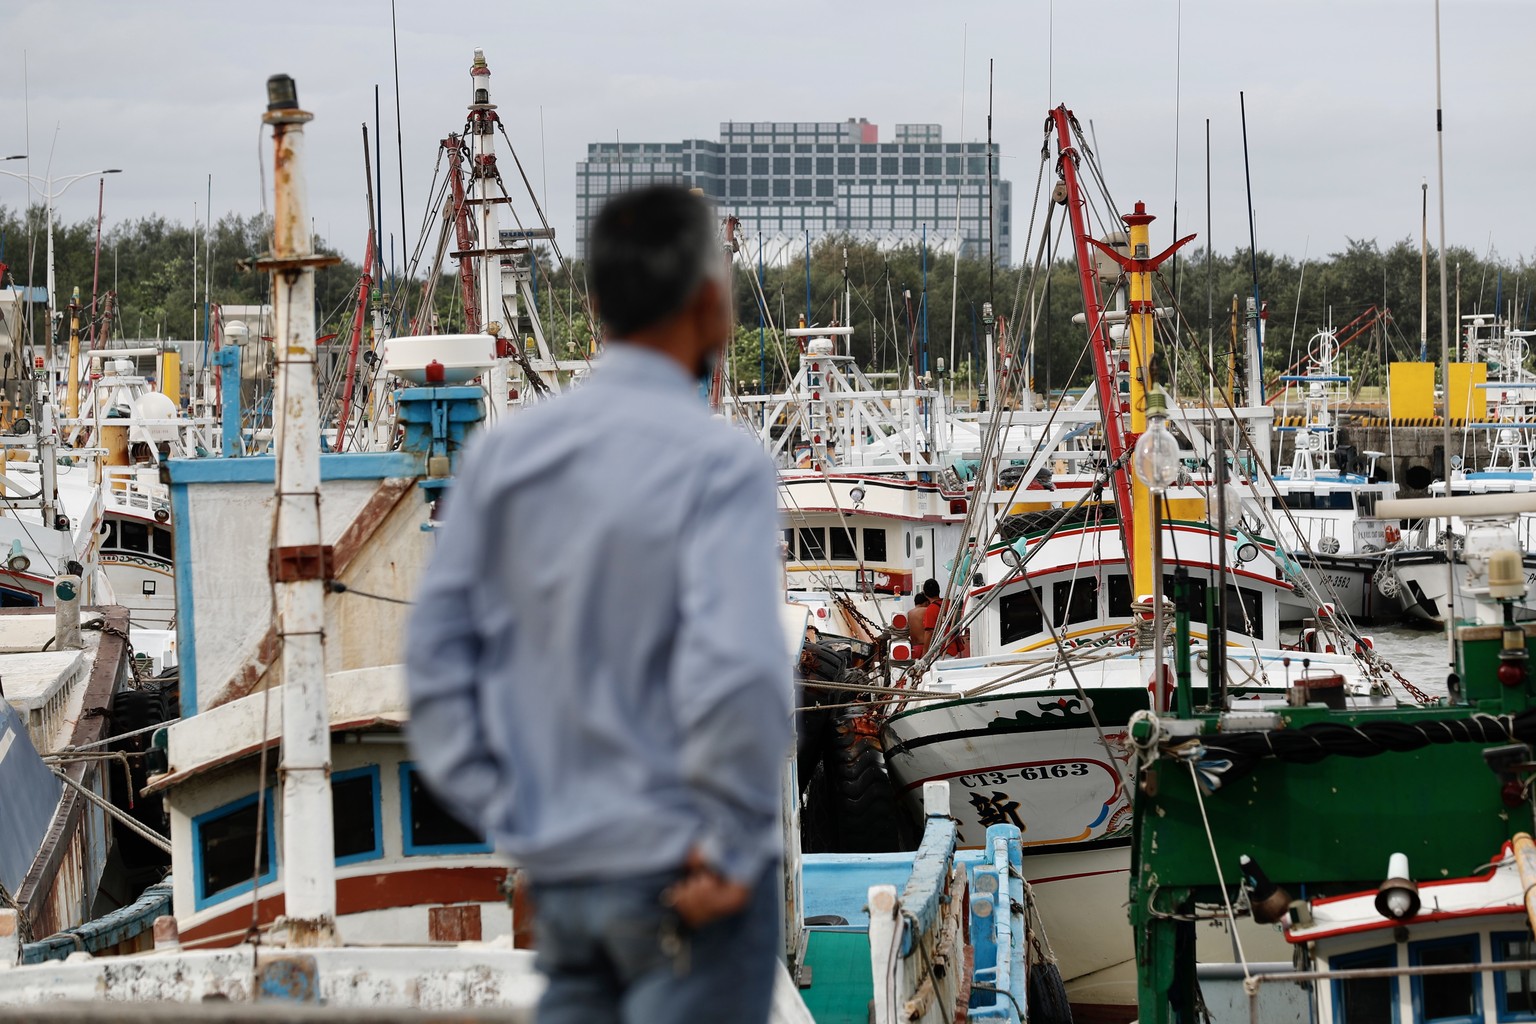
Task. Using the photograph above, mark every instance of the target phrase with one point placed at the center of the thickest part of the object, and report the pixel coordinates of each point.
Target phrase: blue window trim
(1501, 993)
(407, 769)
(370, 772)
(269, 836)
(28, 599)
(1345, 961)
(186, 641)
(1415, 952)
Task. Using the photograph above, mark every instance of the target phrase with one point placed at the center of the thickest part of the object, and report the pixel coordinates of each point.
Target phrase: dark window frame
(811, 552)
(842, 544)
(370, 773)
(202, 896)
(1496, 942)
(1416, 951)
(1020, 615)
(1075, 600)
(875, 552)
(408, 805)
(1363, 958)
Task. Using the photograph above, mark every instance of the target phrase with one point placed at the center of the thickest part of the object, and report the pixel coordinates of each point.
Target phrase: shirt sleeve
(443, 654)
(731, 676)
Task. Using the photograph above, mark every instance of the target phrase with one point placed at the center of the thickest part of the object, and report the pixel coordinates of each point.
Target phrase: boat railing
(916, 941)
(1254, 980)
(124, 489)
(125, 930)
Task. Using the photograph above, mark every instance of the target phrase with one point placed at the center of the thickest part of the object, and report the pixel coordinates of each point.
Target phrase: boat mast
(1445, 372)
(1098, 331)
(484, 178)
(1424, 274)
(299, 560)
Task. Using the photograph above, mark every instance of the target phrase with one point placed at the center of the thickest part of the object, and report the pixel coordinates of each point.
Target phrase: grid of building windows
(783, 179)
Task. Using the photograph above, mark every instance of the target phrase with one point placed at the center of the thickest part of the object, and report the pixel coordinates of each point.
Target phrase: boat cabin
(1479, 923)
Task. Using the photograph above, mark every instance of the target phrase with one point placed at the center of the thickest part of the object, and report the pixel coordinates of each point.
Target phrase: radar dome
(152, 405)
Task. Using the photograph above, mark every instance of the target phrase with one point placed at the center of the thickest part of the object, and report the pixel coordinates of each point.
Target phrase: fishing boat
(309, 863)
(134, 426)
(72, 684)
(1326, 506)
(1416, 910)
(1068, 614)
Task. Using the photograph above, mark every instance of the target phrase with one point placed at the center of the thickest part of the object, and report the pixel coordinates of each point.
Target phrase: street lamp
(49, 195)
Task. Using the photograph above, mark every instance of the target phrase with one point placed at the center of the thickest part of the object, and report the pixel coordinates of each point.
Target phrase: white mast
(1445, 361)
(299, 560)
(1424, 274)
(484, 181)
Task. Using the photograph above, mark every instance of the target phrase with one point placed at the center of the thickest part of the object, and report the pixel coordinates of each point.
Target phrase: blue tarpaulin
(29, 794)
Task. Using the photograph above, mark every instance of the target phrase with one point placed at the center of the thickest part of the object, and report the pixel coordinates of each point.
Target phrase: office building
(783, 179)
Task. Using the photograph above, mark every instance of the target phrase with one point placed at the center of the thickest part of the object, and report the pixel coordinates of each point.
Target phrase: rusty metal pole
(1525, 861)
(299, 562)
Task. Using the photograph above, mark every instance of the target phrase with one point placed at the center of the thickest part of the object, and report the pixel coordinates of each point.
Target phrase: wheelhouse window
(160, 541)
(356, 818)
(1365, 502)
(1197, 589)
(133, 536)
(874, 544)
(1516, 990)
(429, 827)
(225, 840)
(1019, 615)
(813, 544)
(1075, 600)
(1119, 586)
(1245, 611)
(1365, 1000)
(17, 598)
(1446, 997)
(843, 547)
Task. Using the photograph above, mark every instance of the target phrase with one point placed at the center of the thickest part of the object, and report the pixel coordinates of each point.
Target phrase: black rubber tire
(1047, 996)
(133, 710)
(866, 813)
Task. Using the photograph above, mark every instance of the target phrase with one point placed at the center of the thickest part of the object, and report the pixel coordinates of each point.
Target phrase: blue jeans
(614, 955)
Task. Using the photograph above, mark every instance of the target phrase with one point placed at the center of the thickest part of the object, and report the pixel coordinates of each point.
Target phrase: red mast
(1114, 410)
(364, 288)
(453, 146)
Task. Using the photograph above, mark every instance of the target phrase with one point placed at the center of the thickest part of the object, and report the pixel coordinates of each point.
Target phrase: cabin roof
(1497, 891)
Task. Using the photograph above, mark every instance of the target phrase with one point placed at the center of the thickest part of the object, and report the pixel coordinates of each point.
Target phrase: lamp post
(49, 195)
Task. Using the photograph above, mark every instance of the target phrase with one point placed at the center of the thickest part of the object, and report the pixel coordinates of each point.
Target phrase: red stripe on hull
(362, 893)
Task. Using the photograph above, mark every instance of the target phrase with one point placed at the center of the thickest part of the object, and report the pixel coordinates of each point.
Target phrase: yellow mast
(72, 391)
(1141, 344)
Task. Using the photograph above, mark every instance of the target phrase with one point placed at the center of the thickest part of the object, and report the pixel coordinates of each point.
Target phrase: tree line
(900, 314)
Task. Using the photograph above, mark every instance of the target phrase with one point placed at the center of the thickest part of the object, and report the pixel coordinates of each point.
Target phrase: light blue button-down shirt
(596, 674)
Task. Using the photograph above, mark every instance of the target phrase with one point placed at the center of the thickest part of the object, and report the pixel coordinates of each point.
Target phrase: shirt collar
(637, 366)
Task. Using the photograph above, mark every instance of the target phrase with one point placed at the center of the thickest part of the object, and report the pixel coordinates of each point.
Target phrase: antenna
(1178, 86)
(378, 177)
(394, 38)
(991, 209)
(1452, 683)
(1253, 256)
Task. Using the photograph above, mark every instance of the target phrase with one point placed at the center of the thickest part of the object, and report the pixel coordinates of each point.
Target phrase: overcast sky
(1340, 95)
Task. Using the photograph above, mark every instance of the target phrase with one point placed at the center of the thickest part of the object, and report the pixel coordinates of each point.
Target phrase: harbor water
(1419, 654)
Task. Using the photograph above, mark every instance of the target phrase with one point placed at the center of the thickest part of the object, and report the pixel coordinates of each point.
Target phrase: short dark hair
(648, 252)
(931, 588)
(920, 600)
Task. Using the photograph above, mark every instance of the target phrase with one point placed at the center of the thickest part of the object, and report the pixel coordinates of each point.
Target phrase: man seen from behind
(625, 753)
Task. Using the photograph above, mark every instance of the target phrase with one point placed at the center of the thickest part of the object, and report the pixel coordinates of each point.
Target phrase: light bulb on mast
(1156, 459)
